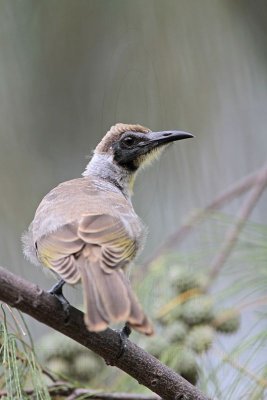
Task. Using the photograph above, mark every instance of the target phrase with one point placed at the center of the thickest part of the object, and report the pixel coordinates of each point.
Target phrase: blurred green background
(70, 69)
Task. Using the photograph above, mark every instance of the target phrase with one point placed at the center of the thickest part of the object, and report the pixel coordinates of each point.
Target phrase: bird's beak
(162, 137)
(157, 139)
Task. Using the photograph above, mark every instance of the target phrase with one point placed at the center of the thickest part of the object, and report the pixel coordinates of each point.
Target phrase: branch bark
(146, 369)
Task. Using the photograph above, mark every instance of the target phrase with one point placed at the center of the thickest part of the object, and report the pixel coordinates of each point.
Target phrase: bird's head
(133, 146)
(127, 148)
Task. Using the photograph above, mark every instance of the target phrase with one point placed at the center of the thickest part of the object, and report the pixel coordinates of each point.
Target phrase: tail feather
(108, 298)
(95, 318)
(137, 319)
(111, 291)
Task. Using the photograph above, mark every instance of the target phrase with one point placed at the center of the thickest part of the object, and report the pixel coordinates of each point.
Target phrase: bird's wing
(118, 247)
(60, 250)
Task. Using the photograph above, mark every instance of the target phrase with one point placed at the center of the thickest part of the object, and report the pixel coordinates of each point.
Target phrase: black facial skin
(135, 144)
(130, 146)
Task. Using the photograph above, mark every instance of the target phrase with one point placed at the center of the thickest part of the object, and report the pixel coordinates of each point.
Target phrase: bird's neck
(102, 166)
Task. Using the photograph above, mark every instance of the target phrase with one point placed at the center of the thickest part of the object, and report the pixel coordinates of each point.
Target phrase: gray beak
(164, 137)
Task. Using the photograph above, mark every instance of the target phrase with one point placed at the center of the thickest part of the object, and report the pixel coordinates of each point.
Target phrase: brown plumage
(87, 230)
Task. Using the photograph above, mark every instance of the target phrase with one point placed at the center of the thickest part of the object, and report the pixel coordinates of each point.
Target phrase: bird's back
(70, 201)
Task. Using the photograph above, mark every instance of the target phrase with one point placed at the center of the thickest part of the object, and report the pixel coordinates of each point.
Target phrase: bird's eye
(128, 141)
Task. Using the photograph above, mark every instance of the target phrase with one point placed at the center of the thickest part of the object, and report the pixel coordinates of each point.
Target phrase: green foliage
(211, 312)
(182, 360)
(198, 310)
(176, 332)
(200, 338)
(227, 321)
(19, 364)
(68, 358)
(182, 280)
(187, 325)
(157, 344)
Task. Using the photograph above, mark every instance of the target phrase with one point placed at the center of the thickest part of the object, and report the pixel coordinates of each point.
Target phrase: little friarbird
(86, 229)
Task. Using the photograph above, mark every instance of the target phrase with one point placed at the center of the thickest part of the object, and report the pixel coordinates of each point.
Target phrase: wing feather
(109, 232)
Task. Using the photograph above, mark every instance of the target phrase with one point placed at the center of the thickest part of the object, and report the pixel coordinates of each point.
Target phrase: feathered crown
(115, 132)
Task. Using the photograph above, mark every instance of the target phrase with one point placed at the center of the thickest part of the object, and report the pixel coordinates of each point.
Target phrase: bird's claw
(56, 290)
(124, 334)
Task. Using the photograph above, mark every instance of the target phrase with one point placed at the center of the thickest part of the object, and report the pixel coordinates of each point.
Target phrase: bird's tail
(108, 298)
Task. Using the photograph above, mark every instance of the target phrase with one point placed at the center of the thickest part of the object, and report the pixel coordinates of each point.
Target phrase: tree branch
(61, 388)
(235, 190)
(146, 369)
(233, 232)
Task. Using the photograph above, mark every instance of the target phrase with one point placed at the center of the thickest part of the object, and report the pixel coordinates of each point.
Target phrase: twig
(232, 192)
(257, 302)
(180, 299)
(232, 234)
(16, 320)
(58, 389)
(146, 369)
(48, 374)
(110, 396)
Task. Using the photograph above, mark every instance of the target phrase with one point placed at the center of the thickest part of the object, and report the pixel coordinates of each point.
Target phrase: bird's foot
(124, 334)
(56, 290)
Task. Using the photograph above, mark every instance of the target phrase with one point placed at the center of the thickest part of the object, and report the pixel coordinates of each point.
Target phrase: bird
(86, 230)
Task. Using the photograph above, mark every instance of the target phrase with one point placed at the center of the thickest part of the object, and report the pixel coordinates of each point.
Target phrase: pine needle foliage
(19, 366)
